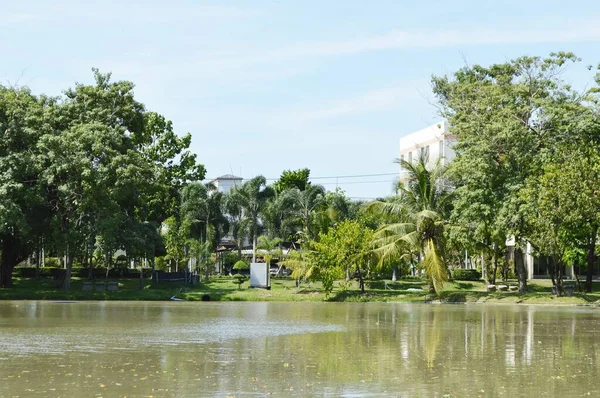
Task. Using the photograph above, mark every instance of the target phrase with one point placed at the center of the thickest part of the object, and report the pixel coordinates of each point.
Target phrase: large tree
(505, 129)
(24, 118)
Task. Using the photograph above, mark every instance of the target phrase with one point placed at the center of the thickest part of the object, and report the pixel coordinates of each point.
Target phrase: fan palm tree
(236, 218)
(416, 219)
(252, 198)
(306, 204)
(302, 263)
(202, 209)
(279, 216)
(271, 248)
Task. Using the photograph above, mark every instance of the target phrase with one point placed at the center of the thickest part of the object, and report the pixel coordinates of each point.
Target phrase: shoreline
(284, 290)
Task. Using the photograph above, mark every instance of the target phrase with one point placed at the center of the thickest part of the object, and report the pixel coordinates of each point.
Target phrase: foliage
(241, 265)
(508, 118)
(344, 250)
(418, 217)
(292, 179)
(251, 199)
(460, 274)
(239, 279)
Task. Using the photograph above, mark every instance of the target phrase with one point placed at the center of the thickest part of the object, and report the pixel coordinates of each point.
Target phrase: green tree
(292, 179)
(307, 204)
(252, 197)
(345, 249)
(503, 119)
(271, 249)
(279, 216)
(24, 214)
(563, 206)
(419, 213)
(175, 233)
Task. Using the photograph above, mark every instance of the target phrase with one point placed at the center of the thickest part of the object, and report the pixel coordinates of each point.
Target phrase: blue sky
(264, 86)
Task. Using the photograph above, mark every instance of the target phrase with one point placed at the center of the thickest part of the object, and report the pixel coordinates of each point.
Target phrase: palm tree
(302, 263)
(415, 219)
(252, 197)
(306, 204)
(202, 209)
(236, 219)
(279, 216)
(271, 248)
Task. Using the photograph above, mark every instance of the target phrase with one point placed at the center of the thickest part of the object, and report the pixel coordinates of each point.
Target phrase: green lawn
(225, 289)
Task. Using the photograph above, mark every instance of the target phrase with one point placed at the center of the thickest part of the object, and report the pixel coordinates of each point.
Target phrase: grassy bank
(224, 289)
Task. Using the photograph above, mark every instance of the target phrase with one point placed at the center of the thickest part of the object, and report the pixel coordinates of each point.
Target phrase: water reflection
(216, 349)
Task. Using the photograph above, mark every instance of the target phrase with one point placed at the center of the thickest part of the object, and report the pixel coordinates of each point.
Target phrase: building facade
(434, 141)
(226, 182)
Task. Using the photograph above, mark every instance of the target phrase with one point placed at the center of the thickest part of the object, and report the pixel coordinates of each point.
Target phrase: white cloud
(238, 62)
(12, 18)
(377, 100)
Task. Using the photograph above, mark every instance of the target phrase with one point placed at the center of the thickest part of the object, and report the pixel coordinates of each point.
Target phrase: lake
(181, 349)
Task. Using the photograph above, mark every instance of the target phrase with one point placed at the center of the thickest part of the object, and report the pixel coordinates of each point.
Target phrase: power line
(356, 182)
(327, 177)
(355, 176)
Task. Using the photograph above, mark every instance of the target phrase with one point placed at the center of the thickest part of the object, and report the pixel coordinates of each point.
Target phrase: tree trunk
(8, 259)
(361, 281)
(495, 261)
(521, 270)
(38, 260)
(254, 238)
(484, 269)
(577, 280)
(152, 267)
(558, 283)
(69, 267)
(142, 272)
(591, 257)
(394, 272)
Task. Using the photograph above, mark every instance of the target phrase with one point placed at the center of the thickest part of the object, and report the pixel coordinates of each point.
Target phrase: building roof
(424, 137)
(228, 177)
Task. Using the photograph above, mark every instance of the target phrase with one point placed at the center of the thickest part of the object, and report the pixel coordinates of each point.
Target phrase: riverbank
(285, 290)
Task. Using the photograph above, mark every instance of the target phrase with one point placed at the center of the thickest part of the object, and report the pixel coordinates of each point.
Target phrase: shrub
(241, 265)
(239, 279)
(24, 272)
(51, 262)
(460, 274)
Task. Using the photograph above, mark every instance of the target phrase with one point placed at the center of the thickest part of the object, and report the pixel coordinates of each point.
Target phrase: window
(410, 157)
(441, 149)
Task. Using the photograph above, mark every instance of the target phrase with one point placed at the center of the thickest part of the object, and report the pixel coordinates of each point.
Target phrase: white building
(435, 141)
(226, 182)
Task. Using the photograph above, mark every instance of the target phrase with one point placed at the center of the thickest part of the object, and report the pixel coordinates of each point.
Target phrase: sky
(265, 86)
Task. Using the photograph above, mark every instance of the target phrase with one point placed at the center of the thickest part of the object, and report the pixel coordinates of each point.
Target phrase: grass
(226, 289)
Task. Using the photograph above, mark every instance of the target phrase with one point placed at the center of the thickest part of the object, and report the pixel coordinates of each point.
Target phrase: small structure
(225, 182)
(260, 276)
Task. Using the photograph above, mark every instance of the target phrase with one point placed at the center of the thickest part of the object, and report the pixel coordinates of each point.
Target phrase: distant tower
(226, 182)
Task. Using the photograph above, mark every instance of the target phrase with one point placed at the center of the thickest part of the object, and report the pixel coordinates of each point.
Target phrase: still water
(182, 349)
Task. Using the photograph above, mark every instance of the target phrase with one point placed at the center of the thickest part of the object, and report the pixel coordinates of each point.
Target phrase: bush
(51, 262)
(460, 274)
(46, 272)
(412, 278)
(239, 279)
(241, 265)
